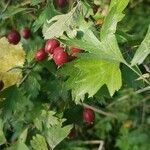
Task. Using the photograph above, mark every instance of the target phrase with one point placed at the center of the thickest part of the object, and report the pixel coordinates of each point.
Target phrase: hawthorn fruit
(60, 57)
(40, 55)
(75, 50)
(61, 3)
(50, 45)
(1, 85)
(88, 115)
(26, 33)
(13, 37)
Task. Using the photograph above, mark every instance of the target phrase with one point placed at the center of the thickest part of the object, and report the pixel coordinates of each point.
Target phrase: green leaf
(13, 101)
(47, 119)
(18, 146)
(89, 75)
(23, 136)
(97, 67)
(47, 13)
(56, 26)
(2, 136)
(38, 143)
(56, 134)
(99, 50)
(31, 86)
(114, 16)
(12, 10)
(35, 2)
(143, 51)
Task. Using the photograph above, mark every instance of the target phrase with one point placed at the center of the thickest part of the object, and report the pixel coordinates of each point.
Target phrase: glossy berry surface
(58, 49)
(26, 33)
(88, 115)
(13, 37)
(60, 56)
(40, 55)
(50, 45)
(75, 50)
(1, 85)
(61, 3)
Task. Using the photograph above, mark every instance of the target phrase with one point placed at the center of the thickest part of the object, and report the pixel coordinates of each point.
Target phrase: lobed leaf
(143, 51)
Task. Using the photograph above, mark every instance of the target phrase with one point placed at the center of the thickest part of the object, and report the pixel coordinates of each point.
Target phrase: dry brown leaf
(10, 56)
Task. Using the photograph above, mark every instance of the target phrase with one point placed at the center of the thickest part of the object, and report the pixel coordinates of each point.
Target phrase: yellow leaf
(11, 56)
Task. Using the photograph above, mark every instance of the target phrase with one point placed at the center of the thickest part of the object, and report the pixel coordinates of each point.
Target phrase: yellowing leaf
(10, 56)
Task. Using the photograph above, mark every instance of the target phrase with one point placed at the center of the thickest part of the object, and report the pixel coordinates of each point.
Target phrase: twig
(6, 6)
(26, 2)
(94, 142)
(127, 96)
(136, 72)
(142, 101)
(143, 113)
(101, 145)
(26, 76)
(99, 111)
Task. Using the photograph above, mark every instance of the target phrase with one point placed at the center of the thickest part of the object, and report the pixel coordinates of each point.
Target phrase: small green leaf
(35, 2)
(12, 10)
(143, 51)
(14, 101)
(38, 143)
(2, 136)
(18, 146)
(23, 136)
(114, 16)
(56, 26)
(47, 13)
(56, 134)
(46, 118)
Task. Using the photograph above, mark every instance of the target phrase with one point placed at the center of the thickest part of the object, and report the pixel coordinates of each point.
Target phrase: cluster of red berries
(14, 36)
(59, 55)
(88, 117)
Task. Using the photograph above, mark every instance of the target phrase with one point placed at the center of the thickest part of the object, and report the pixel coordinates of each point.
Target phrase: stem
(127, 96)
(6, 6)
(94, 142)
(99, 111)
(26, 76)
(137, 73)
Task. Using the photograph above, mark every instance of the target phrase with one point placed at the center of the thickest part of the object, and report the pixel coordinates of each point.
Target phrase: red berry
(72, 133)
(58, 49)
(13, 37)
(40, 55)
(61, 3)
(1, 85)
(88, 115)
(75, 50)
(60, 56)
(50, 45)
(26, 32)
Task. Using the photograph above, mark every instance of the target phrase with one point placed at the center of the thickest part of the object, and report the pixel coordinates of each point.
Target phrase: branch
(127, 96)
(6, 6)
(99, 110)
(94, 142)
(26, 76)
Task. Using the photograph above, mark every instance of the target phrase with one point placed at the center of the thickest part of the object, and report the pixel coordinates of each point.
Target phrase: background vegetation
(42, 103)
